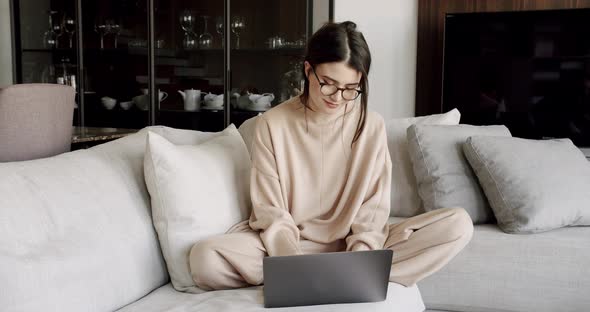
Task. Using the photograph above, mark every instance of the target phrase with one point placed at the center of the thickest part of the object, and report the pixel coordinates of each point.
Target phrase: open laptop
(326, 278)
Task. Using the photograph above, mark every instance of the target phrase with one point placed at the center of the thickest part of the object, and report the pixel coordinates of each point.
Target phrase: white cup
(126, 105)
(108, 102)
(144, 106)
(161, 94)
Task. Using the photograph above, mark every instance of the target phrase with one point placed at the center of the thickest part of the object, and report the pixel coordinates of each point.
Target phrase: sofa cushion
(404, 195)
(399, 299)
(506, 272)
(76, 232)
(532, 185)
(196, 191)
(444, 176)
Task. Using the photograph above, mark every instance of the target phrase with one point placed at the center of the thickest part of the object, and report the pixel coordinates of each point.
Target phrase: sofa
(76, 234)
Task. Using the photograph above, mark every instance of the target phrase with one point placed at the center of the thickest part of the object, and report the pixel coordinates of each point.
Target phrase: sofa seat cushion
(165, 298)
(509, 272)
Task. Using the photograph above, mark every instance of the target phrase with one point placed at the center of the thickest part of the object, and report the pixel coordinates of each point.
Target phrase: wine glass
(237, 25)
(48, 75)
(101, 28)
(187, 23)
(69, 26)
(50, 36)
(219, 26)
(58, 31)
(113, 28)
(189, 42)
(205, 39)
(187, 20)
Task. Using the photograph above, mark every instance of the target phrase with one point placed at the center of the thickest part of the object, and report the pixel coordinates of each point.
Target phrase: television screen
(528, 70)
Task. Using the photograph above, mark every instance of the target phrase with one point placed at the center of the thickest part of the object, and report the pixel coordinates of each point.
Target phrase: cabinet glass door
(189, 63)
(46, 42)
(115, 49)
(267, 47)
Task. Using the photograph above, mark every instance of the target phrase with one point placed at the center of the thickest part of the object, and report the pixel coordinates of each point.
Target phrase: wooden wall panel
(431, 17)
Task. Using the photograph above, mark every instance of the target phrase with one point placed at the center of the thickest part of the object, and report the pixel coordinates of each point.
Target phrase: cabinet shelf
(233, 111)
(279, 51)
(173, 53)
(245, 51)
(49, 50)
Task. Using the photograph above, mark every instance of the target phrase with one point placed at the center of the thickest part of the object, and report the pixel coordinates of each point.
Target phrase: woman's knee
(203, 258)
(460, 225)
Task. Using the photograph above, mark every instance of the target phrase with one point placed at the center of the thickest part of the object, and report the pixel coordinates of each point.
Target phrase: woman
(321, 180)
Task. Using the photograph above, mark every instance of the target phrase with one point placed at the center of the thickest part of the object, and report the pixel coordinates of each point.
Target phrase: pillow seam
(161, 201)
(428, 171)
(488, 172)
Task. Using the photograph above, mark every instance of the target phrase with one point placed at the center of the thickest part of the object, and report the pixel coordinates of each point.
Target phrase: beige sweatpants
(421, 246)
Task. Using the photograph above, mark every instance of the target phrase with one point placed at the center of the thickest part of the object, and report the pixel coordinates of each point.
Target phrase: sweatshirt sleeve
(369, 228)
(270, 214)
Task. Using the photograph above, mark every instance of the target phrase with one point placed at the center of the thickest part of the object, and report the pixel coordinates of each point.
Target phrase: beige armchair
(35, 121)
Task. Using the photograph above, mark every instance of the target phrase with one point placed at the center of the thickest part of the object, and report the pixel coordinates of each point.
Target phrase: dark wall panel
(431, 17)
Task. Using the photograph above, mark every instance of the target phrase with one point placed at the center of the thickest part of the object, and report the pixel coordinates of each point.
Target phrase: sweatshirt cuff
(281, 244)
(360, 246)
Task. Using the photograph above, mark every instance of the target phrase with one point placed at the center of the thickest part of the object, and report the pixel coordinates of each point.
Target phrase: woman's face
(338, 74)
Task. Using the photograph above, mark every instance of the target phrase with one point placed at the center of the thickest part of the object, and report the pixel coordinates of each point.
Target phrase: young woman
(321, 181)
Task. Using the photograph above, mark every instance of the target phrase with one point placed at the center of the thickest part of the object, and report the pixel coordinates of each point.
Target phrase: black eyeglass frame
(322, 84)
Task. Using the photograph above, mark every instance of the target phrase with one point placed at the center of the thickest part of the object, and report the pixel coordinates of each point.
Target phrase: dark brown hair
(340, 42)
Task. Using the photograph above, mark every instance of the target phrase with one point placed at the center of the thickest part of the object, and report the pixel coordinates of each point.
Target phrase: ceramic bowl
(126, 105)
(108, 102)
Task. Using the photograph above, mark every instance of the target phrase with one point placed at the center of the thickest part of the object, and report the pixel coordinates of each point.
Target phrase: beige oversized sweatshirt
(308, 183)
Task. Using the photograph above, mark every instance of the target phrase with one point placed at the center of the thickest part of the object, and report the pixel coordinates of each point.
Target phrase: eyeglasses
(330, 89)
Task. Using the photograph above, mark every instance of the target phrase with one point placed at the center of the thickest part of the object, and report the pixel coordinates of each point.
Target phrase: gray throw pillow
(444, 176)
(532, 186)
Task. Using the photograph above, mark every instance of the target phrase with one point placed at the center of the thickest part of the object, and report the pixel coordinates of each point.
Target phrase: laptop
(326, 278)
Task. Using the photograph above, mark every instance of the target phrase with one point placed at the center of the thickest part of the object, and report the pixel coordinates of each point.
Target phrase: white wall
(390, 28)
(5, 44)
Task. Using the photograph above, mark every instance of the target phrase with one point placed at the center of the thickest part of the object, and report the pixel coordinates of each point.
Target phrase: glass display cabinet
(186, 64)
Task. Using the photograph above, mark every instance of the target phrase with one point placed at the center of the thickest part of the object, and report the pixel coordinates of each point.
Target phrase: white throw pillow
(196, 191)
(404, 190)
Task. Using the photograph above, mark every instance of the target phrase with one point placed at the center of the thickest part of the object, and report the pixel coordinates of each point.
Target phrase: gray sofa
(546, 271)
(76, 234)
(509, 272)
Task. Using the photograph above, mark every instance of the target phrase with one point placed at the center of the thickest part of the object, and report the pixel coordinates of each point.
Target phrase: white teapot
(243, 101)
(192, 99)
(213, 100)
(261, 101)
